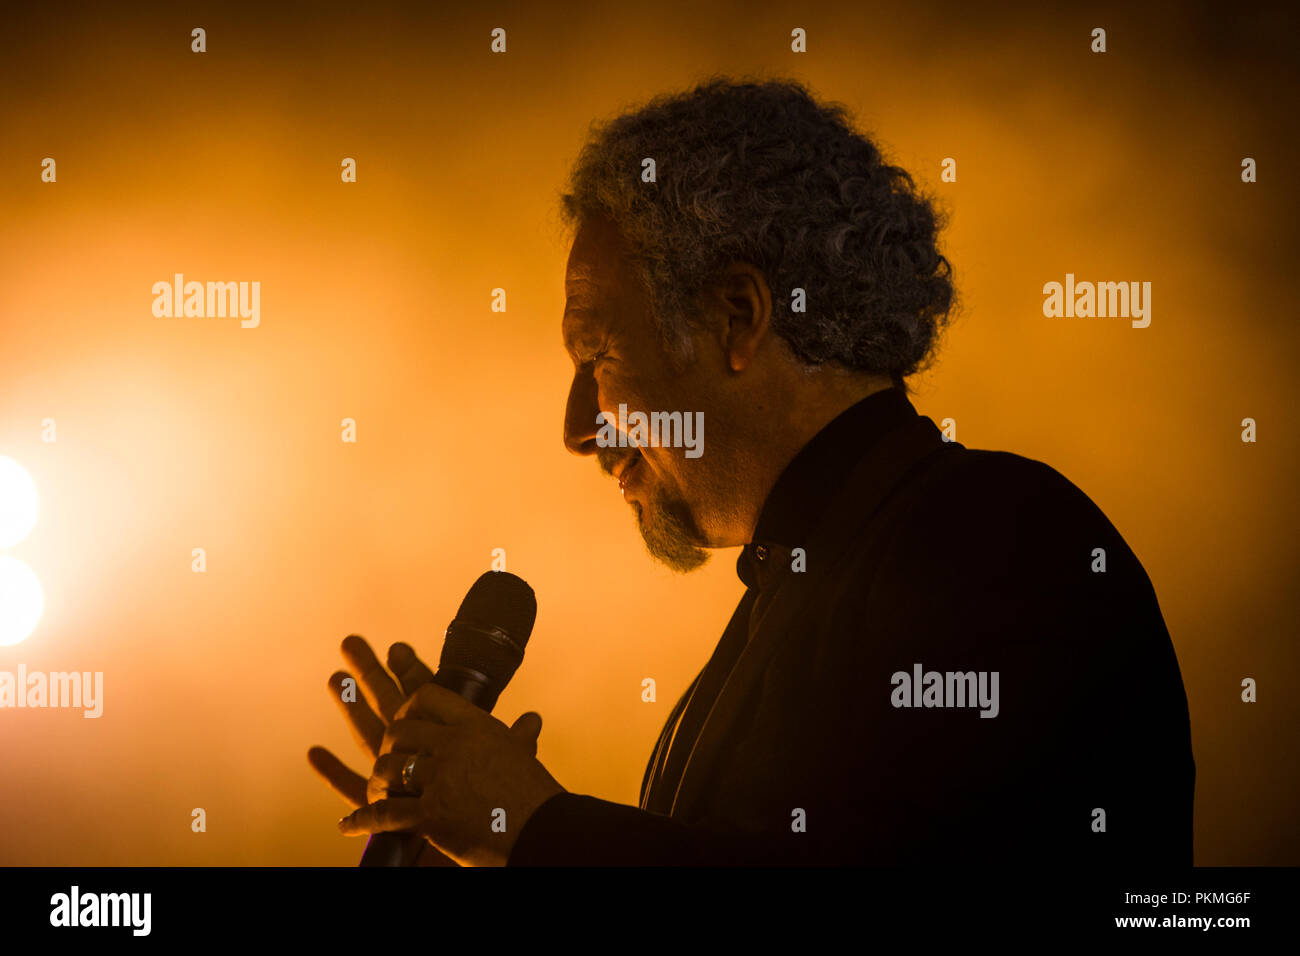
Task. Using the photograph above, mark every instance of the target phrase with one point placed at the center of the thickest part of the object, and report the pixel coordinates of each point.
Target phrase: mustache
(607, 458)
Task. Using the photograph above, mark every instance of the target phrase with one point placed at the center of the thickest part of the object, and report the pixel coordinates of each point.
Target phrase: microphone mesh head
(500, 599)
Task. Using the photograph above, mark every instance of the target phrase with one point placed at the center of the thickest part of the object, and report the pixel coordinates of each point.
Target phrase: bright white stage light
(17, 502)
(21, 601)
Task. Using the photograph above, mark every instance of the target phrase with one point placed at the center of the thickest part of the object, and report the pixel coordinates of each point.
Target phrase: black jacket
(917, 555)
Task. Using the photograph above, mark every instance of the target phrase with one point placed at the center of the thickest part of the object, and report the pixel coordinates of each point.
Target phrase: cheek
(666, 464)
(612, 391)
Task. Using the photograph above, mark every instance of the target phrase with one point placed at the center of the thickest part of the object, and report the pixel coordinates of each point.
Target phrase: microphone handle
(402, 847)
(394, 848)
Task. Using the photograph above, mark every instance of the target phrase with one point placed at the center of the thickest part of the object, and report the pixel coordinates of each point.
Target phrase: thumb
(527, 729)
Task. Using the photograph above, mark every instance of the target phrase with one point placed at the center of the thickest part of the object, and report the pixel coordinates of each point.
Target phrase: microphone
(483, 647)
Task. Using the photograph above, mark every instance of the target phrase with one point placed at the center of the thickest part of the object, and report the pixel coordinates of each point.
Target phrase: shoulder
(1008, 480)
(1003, 497)
(995, 519)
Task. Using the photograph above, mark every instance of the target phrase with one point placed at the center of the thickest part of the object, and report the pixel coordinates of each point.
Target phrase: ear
(747, 305)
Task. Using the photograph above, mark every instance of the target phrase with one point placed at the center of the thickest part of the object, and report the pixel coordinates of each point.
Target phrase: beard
(670, 533)
(667, 526)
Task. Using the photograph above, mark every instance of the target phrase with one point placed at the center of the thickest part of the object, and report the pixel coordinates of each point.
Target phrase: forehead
(596, 282)
(597, 259)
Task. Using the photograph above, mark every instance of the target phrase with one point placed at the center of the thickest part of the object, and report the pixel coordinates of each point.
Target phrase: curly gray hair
(759, 171)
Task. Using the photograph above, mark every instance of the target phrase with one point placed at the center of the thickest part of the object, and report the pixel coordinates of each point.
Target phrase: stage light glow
(21, 601)
(17, 502)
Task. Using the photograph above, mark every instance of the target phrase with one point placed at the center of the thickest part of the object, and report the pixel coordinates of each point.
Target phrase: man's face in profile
(619, 358)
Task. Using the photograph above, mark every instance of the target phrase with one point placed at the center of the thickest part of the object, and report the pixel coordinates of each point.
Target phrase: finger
(366, 727)
(382, 689)
(527, 729)
(411, 672)
(432, 702)
(394, 813)
(351, 786)
(408, 735)
(389, 776)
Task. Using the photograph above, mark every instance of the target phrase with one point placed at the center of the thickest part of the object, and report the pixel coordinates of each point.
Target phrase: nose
(580, 415)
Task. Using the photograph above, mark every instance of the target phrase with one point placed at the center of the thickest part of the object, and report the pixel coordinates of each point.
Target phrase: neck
(788, 429)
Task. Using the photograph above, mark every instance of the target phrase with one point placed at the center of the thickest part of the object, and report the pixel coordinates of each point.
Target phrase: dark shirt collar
(799, 497)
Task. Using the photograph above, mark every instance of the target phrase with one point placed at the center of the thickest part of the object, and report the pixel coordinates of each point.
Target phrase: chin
(671, 537)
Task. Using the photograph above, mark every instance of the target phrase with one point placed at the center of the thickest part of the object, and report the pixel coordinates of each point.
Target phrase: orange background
(182, 433)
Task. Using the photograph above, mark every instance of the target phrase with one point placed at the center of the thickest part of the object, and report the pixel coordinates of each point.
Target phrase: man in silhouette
(942, 655)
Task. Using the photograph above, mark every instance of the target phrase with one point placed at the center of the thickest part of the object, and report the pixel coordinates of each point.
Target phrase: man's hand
(478, 780)
(368, 727)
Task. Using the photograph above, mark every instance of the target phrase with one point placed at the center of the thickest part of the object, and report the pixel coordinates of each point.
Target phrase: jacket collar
(801, 494)
(783, 601)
